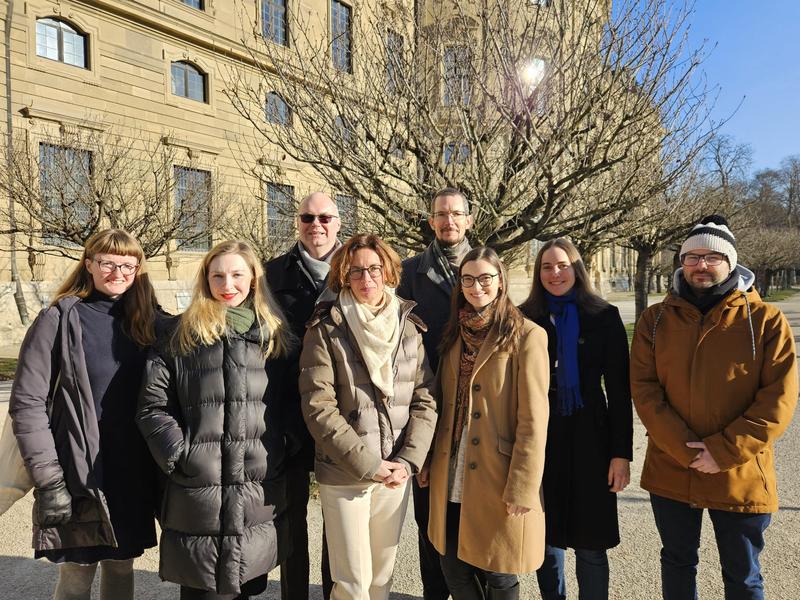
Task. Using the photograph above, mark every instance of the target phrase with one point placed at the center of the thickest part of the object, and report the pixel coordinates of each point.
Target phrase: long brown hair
(204, 320)
(508, 318)
(139, 300)
(535, 306)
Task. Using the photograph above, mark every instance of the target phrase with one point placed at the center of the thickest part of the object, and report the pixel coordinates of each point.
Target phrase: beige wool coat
(504, 457)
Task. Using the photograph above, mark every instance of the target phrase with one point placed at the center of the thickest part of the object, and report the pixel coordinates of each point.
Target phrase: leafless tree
(545, 114)
(69, 185)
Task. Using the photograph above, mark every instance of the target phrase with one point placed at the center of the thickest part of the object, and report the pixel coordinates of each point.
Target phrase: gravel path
(634, 564)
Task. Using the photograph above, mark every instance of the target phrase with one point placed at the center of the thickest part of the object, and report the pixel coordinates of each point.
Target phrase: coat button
(476, 387)
(475, 441)
(476, 414)
(473, 466)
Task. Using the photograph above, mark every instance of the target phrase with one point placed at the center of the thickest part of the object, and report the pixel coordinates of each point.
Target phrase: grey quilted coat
(341, 405)
(208, 420)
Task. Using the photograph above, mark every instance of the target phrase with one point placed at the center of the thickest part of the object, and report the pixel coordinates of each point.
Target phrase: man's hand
(515, 510)
(619, 474)
(703, 462)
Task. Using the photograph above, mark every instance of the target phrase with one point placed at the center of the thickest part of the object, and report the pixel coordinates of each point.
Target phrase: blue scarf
(565, 313)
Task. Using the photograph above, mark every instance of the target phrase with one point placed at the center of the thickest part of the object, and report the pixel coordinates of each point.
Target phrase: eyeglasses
(711, 260)
(443, 214)
(107, 266)
(309, 218)
(485, 280)
(356, 273)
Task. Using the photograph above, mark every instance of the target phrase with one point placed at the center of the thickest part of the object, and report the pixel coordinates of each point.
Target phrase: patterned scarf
(565, 315)
(448, 258)
(474, 326)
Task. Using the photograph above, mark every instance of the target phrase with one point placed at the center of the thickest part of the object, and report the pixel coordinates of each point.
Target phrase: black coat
(68, 443)
(422, 283)
(207, 418)
(580, 510)
(297, 296)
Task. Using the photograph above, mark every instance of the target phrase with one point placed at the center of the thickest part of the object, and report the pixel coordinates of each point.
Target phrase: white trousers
(362, 524)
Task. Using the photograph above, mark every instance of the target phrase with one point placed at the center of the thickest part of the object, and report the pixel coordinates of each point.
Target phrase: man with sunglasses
(429, 279)
(297, 279)
(714, 380)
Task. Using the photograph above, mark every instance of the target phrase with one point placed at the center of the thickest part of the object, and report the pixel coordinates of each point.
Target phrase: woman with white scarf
(365, 381)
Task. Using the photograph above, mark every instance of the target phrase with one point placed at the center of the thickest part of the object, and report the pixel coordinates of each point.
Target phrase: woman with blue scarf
(590, 433)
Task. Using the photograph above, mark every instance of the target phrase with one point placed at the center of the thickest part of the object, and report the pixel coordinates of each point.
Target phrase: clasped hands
(391, 474)
(703, 462)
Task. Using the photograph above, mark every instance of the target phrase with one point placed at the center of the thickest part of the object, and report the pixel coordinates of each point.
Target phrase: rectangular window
(274, 26)
(456, 76)
(65, 185)
(280, 215)
(193, 206)
(456, 153)
(394, 61)
(341, 36)
(348, 215)
(198, 4)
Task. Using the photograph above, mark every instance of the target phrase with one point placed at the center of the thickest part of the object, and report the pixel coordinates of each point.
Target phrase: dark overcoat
(207, 418)
(580, 510)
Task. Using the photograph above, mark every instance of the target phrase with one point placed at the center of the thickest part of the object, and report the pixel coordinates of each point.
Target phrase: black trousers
(434, 586)
(295, 569)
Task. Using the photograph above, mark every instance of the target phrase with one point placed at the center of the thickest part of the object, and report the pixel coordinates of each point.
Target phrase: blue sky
(757, 57)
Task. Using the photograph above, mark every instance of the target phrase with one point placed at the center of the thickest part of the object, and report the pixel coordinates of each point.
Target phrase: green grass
(7, 368)
(778, 295)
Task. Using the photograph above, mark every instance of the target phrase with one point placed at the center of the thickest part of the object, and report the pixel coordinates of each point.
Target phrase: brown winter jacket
(729, 379)
(504, 457)
(340, 403)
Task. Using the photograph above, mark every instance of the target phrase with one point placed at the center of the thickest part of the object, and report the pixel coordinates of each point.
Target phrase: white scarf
(377, 333)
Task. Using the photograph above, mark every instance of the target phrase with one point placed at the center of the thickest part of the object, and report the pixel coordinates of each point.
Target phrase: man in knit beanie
(714, 380)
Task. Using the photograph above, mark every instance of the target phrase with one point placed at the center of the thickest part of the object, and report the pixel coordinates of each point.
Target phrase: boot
(509, 594)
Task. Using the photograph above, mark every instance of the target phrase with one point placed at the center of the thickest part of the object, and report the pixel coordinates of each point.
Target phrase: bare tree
(67, 186)
(543, 114)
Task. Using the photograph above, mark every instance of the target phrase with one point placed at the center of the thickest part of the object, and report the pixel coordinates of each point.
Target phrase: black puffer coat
(208, 420)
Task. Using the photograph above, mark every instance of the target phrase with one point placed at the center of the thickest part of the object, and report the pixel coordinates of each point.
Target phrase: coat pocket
(505, 446)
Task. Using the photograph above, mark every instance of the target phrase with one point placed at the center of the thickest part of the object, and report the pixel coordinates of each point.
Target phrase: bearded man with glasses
(714, 380)
(297, 280)
(429, 279)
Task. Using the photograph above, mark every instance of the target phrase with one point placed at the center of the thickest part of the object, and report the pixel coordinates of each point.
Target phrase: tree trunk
(643, 259)
(19, 295)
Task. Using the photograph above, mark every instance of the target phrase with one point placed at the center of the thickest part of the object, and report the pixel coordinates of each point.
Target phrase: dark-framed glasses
(308, 218)
(712, 259)
(443, 214)
(357, 273)
(109, 266)
(485, 280)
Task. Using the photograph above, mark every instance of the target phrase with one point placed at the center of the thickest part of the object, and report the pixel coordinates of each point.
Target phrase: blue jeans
(740, 539)
(591, 570)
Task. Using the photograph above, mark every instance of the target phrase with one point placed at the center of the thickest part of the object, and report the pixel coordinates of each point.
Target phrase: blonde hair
(139, 301)
(204, 323)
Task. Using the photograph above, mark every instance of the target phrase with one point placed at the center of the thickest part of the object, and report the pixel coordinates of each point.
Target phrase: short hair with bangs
(339, 276)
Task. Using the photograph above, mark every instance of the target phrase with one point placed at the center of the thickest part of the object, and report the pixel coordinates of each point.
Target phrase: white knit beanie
(712, 233)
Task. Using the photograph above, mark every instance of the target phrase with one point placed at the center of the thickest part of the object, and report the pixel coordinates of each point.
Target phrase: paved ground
(634, 563)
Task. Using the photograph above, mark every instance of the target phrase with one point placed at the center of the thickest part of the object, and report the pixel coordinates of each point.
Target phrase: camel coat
(504, 460)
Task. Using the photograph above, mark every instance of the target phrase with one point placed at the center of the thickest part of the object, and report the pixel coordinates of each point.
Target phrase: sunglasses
(324, 219)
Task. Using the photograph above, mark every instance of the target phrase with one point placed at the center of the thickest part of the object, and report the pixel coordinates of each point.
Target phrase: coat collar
(427, 267)
(333, 311)
(484, 354)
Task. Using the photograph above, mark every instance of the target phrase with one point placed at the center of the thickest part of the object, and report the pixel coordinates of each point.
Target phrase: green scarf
(241, 318)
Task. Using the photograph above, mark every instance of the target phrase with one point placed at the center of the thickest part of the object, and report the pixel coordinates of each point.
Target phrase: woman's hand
(516, 510)
(391, 474)
(619, 474)
(424, 476)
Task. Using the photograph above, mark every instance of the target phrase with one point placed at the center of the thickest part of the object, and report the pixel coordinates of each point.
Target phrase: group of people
(510, 426)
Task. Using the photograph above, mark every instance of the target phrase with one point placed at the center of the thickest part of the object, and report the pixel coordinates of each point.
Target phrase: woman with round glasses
(364, 383)
(486, 515)
(209, 413)
(73, 404)
(590, 436)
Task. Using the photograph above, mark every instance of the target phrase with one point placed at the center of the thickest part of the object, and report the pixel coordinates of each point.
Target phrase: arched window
(189, 82)
(277, 111)
(57, 40)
